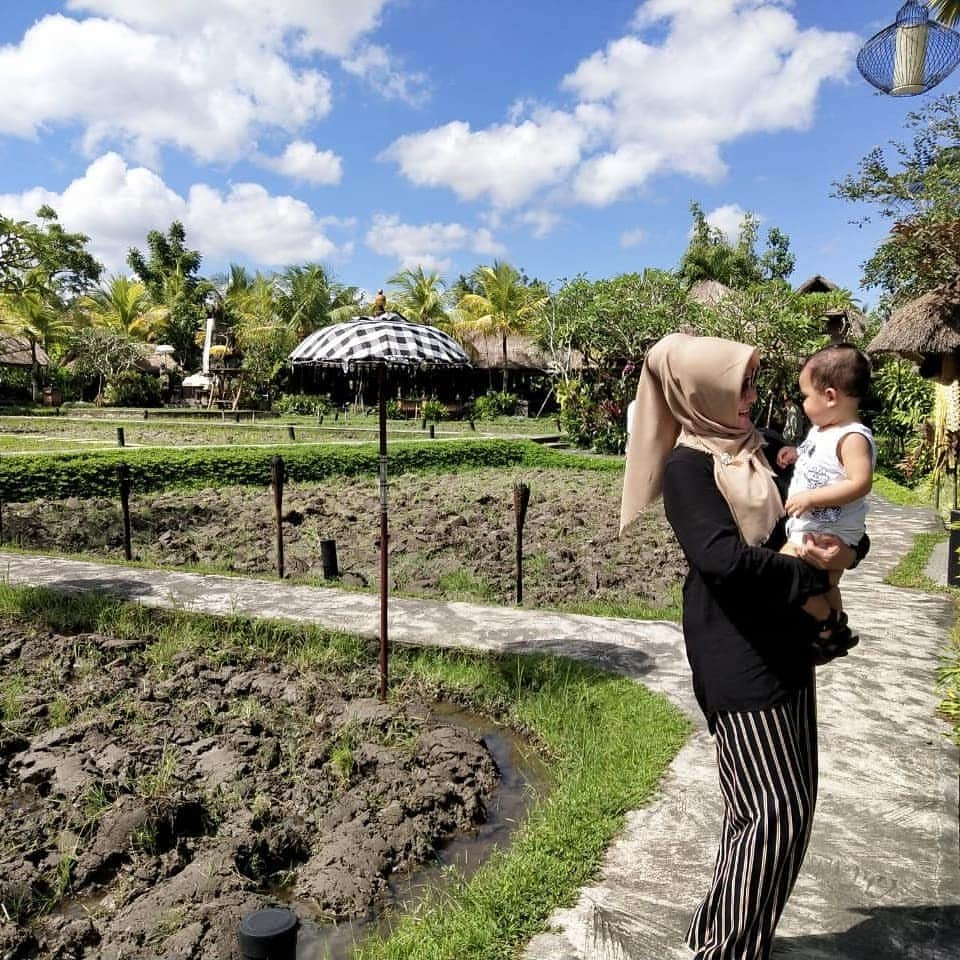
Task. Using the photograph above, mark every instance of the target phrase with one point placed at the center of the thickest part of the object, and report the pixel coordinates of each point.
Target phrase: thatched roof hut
(708, 293)
(926, 331)
(15, 352)
(841, 323)
(523, 353)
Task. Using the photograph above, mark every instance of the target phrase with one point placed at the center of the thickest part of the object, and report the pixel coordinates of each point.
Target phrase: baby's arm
(857, 458)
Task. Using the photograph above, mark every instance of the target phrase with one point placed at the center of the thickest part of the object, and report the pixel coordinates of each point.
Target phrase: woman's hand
(826, 552)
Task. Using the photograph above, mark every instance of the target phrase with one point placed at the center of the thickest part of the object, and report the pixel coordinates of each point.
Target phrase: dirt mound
(152, 800)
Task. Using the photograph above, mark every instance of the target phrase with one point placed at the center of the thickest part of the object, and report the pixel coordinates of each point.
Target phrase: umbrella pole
(382, 402)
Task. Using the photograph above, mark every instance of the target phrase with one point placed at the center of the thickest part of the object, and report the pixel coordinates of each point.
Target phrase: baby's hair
(841, 366)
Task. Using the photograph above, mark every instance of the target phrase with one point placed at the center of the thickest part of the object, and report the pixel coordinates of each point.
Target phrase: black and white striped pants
(768, 777)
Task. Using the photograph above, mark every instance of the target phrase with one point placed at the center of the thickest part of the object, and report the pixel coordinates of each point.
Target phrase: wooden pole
(123, 470)
(276, 476)
(382, 403)
(521, 497)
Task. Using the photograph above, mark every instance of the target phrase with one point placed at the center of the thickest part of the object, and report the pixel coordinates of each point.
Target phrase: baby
(833, 466)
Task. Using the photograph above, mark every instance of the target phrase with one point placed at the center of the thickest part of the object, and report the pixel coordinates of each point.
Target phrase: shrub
(433, 410)
(395, 410)
(132, 389)
(302, 404)
(492, 405)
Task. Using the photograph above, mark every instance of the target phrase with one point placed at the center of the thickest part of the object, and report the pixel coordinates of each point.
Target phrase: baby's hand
(801, 502)
(786, 456)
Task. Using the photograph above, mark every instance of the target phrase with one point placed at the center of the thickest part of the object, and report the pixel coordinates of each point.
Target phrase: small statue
(379, 304)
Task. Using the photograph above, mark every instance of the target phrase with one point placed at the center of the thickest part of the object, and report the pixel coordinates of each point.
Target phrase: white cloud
(428, 245)
(116, 205)
(331, 27)
(206, 77)
(303, 161)
(631, 238)
(542, 221)
(648, 104)
(506, 163)
(140, 90)
(376, 65)
(727, 220)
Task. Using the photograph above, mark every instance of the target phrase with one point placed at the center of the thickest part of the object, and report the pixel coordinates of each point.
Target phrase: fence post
(276, 476)
(121, 440)
(328, 557)
(521, 497)
(953, 553)
(291, 433)
(123, 471)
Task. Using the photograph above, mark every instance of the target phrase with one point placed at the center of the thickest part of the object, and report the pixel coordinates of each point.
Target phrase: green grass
(897, 493)
(910, 571)
(608, 740)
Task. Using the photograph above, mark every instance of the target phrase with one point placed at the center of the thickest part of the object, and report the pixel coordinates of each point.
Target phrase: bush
(132, 389)
(395, 410)
(302, 404)
(492, 405)
(433, 410)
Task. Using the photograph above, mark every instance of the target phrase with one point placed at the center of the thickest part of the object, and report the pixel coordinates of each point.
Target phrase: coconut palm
(946, 11)
(504, 306)
(421, 297)
(124, 304)
(38, 317)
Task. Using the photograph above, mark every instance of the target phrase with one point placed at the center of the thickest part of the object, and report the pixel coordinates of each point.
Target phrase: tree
(169, 272)
(421, 297)
(45, 254)
(918, 191)
(503, 307)
(124, 305)
(710, 256)
(104, 354)
(308, 297)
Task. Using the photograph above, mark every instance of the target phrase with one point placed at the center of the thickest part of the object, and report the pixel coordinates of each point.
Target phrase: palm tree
(124, 304)
(38, 317)
(504, 306)
(946, 11)
(422, 297)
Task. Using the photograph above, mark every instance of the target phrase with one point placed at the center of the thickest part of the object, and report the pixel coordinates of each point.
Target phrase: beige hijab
(689, 394)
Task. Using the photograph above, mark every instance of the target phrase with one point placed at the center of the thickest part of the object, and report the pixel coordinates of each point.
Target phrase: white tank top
(818, 465)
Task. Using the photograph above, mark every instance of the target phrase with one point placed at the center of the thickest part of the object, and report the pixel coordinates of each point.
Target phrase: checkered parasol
(389, 338)
(380, 342)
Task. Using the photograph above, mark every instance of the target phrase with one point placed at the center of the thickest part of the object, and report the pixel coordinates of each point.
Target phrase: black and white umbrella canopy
(389, 338)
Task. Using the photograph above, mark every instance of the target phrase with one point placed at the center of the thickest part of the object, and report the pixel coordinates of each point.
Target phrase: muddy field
(150, 802)
(451, 537)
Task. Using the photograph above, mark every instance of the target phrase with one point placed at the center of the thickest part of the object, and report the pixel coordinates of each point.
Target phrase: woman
(750, 622)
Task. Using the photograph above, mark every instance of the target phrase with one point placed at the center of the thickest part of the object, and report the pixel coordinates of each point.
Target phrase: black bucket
(269, 934)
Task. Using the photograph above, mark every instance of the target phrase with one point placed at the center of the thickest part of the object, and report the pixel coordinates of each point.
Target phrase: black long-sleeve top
(748, 641)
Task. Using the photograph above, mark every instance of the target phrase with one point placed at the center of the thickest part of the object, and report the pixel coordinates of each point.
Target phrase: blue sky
(372, 135)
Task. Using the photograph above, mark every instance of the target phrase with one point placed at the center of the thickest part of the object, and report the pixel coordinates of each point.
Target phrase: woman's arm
(711, 540)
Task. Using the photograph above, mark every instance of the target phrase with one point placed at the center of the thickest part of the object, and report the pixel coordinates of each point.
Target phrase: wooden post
(291, 433)
(123, 470)
(121, 442)
(953, 555)
(521, 497)
(384, 535)
(276, 477)
(328, 557)
(432, 431)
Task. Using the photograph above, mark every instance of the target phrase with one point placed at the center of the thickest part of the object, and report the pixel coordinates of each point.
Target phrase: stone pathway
(881, 878)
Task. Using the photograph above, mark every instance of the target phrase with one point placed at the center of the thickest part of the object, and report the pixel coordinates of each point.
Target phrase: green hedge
(60, 475)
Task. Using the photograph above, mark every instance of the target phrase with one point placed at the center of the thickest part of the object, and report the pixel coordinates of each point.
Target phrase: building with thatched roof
(16, 352)
(708, 293)
(926, 331)
(840, 323)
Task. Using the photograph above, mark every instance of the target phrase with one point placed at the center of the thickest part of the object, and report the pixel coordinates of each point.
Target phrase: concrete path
(881, 878)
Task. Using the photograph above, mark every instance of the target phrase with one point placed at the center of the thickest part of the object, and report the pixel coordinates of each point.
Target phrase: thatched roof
(708, 293)
(816, 284)
(923, 327)
(15, 352)
(522, 353)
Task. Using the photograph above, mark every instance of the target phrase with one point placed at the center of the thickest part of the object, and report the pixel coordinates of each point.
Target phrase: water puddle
(524, 776)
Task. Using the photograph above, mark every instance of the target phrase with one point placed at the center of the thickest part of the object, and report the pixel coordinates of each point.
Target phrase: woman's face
(748, 395)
